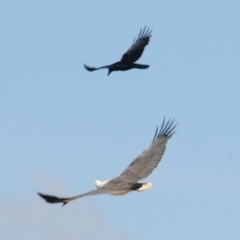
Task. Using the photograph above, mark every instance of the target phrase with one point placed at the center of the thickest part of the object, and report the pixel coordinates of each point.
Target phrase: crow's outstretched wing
(137, 48)
(90, 69)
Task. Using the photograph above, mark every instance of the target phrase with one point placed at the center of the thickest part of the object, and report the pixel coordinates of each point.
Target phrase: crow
(131, 55)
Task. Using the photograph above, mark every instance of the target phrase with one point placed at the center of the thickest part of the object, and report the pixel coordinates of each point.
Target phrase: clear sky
(62, 127)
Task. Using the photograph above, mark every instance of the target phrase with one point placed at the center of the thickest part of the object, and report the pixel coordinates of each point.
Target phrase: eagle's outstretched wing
(114, 187)
(144, 164)
(54, 199)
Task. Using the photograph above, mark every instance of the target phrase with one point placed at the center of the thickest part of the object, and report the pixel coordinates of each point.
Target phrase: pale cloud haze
(30, 218)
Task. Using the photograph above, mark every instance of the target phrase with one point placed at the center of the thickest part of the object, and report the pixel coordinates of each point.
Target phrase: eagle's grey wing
(143, 165)
(137, 48)
(54, 199)
(115, 186)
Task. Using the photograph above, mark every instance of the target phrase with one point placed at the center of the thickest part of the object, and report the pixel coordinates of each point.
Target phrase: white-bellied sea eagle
(139, 169)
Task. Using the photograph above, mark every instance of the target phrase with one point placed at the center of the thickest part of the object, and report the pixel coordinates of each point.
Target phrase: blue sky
(62, 127)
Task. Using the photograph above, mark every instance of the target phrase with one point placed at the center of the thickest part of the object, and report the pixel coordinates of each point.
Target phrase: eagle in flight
(140, 168)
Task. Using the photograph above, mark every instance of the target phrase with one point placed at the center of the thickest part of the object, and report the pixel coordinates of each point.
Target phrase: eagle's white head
(100, 183)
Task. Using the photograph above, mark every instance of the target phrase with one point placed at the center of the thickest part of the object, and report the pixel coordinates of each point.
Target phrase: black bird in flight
(131, 55)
